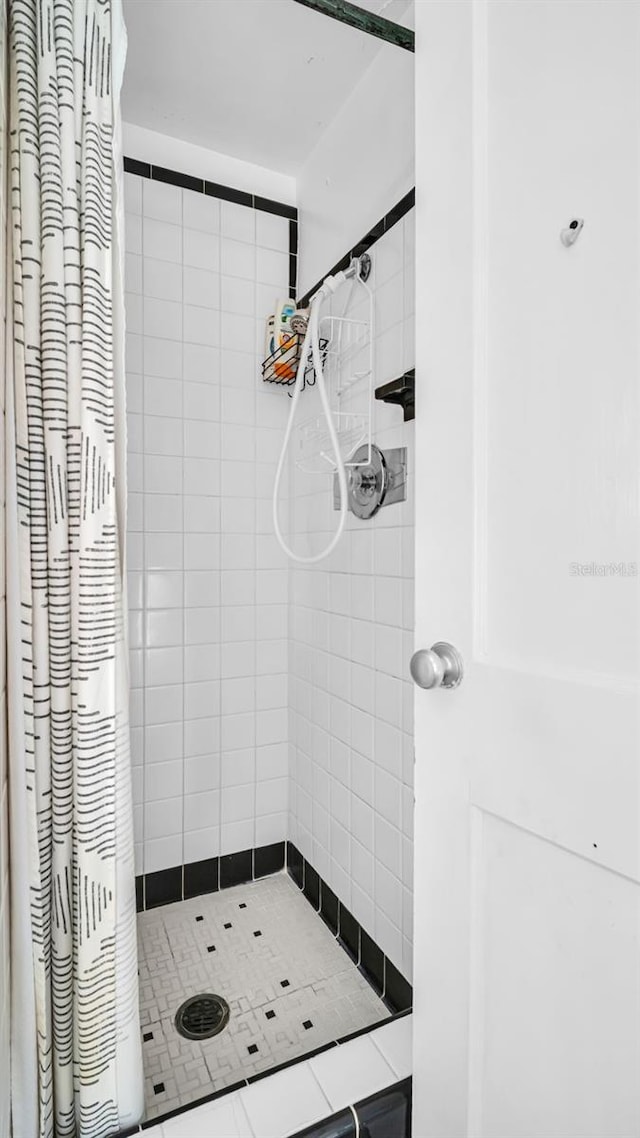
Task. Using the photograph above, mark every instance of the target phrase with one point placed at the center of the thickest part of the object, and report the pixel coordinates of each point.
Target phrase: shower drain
(202, 1016)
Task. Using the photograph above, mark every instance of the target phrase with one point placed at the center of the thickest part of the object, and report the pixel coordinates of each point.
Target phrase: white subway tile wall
(5, 1121)
(208, 593)
(351, 621)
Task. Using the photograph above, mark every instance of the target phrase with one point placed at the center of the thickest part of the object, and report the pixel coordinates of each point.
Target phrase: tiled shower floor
(290, 986)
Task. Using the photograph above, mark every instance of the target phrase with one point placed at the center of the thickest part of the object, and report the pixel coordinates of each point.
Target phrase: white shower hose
(313, 335)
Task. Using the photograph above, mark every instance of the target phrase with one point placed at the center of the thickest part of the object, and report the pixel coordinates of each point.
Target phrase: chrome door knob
(437, 667)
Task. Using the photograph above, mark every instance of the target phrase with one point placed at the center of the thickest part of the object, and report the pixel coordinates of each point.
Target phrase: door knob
(437, 667)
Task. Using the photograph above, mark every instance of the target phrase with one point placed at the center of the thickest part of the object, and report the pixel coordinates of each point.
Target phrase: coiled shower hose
(312, 336)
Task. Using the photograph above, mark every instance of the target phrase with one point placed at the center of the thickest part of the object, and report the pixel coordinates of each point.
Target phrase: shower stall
(271, 704)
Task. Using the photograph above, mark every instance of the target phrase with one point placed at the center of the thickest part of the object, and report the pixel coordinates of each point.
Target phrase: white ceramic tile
(201, 287)
(201, 363)
(237, 259)
(202, 401)
(237, 295)
(162, 853)
(133, 274)
(200, 211)
(201, 662)
(201, 810)
(237, 695)
(202, 773)
(162, 201)
(237, 221)
(202, 700)
(201, 439)
(286, 1102)
(133, 233)
(201, 325)
(163, 628)
(238, 767)
(201, 250)
(272, 267)
(351, 1072)
(272, 796)
(161, 240)
(162, 474)
(164, 589)
(237, 836)
(163, 396)
(166, 782)
(202, 625)
(132, 193)
(224, 1119)
(163, 665)
(236, 330)
(201, 844)
(395, 1043)
(237, 804)
(202, 551)
(163, 819)
(161, 359)
(272, 231)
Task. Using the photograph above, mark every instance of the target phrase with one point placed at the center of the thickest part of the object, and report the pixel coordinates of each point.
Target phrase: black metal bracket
(401, 391)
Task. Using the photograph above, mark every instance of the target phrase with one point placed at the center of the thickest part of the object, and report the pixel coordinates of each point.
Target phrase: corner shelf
(401, 391)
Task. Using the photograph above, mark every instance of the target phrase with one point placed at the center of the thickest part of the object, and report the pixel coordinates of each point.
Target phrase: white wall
(208, 586)
(361, 167)
(187, 158)
(4, 790)
(351, 619)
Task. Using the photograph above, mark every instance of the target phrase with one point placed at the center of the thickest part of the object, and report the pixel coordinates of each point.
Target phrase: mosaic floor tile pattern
(289, 984)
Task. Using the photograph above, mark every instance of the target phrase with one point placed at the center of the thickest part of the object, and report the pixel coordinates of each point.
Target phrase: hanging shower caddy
(347, 348)
(282, 365)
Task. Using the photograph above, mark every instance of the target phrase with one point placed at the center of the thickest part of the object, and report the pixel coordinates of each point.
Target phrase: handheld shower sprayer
(359, 269)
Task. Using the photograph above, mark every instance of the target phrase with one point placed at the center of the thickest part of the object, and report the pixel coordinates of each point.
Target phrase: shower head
(299, 322)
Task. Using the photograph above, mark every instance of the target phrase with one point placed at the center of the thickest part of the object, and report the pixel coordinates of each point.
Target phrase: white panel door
(527, 948)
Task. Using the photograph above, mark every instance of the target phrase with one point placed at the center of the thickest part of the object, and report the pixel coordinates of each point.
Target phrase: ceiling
(255, 79)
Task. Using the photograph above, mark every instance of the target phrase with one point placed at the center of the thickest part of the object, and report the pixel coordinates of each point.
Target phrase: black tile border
(163, 887)
(225, 193)
(201, 877)
(337, 1125)
(268, 859)
(395, 214)
(382, 974)
(197, 878)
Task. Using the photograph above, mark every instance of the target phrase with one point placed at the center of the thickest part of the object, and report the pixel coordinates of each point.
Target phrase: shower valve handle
(437, 667)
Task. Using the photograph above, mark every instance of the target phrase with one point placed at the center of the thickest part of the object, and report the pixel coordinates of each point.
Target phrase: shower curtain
(76, 1057)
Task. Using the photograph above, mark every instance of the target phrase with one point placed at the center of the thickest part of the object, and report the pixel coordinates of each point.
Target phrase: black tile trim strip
(364, 21)
(382, 974)
(327, 1126)
(182, 882)
(377, 231)
(211, 189)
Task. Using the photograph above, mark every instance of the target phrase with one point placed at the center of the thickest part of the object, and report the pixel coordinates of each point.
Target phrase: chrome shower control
(437, 667)
(375, 478)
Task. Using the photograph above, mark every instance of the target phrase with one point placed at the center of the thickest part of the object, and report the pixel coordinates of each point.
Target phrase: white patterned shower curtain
(76, 1060)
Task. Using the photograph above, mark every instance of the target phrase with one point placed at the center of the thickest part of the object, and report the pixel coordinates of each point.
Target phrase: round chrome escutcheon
(367, 483)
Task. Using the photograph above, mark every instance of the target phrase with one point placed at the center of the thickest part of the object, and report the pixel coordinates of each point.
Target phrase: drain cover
(202, 1016)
